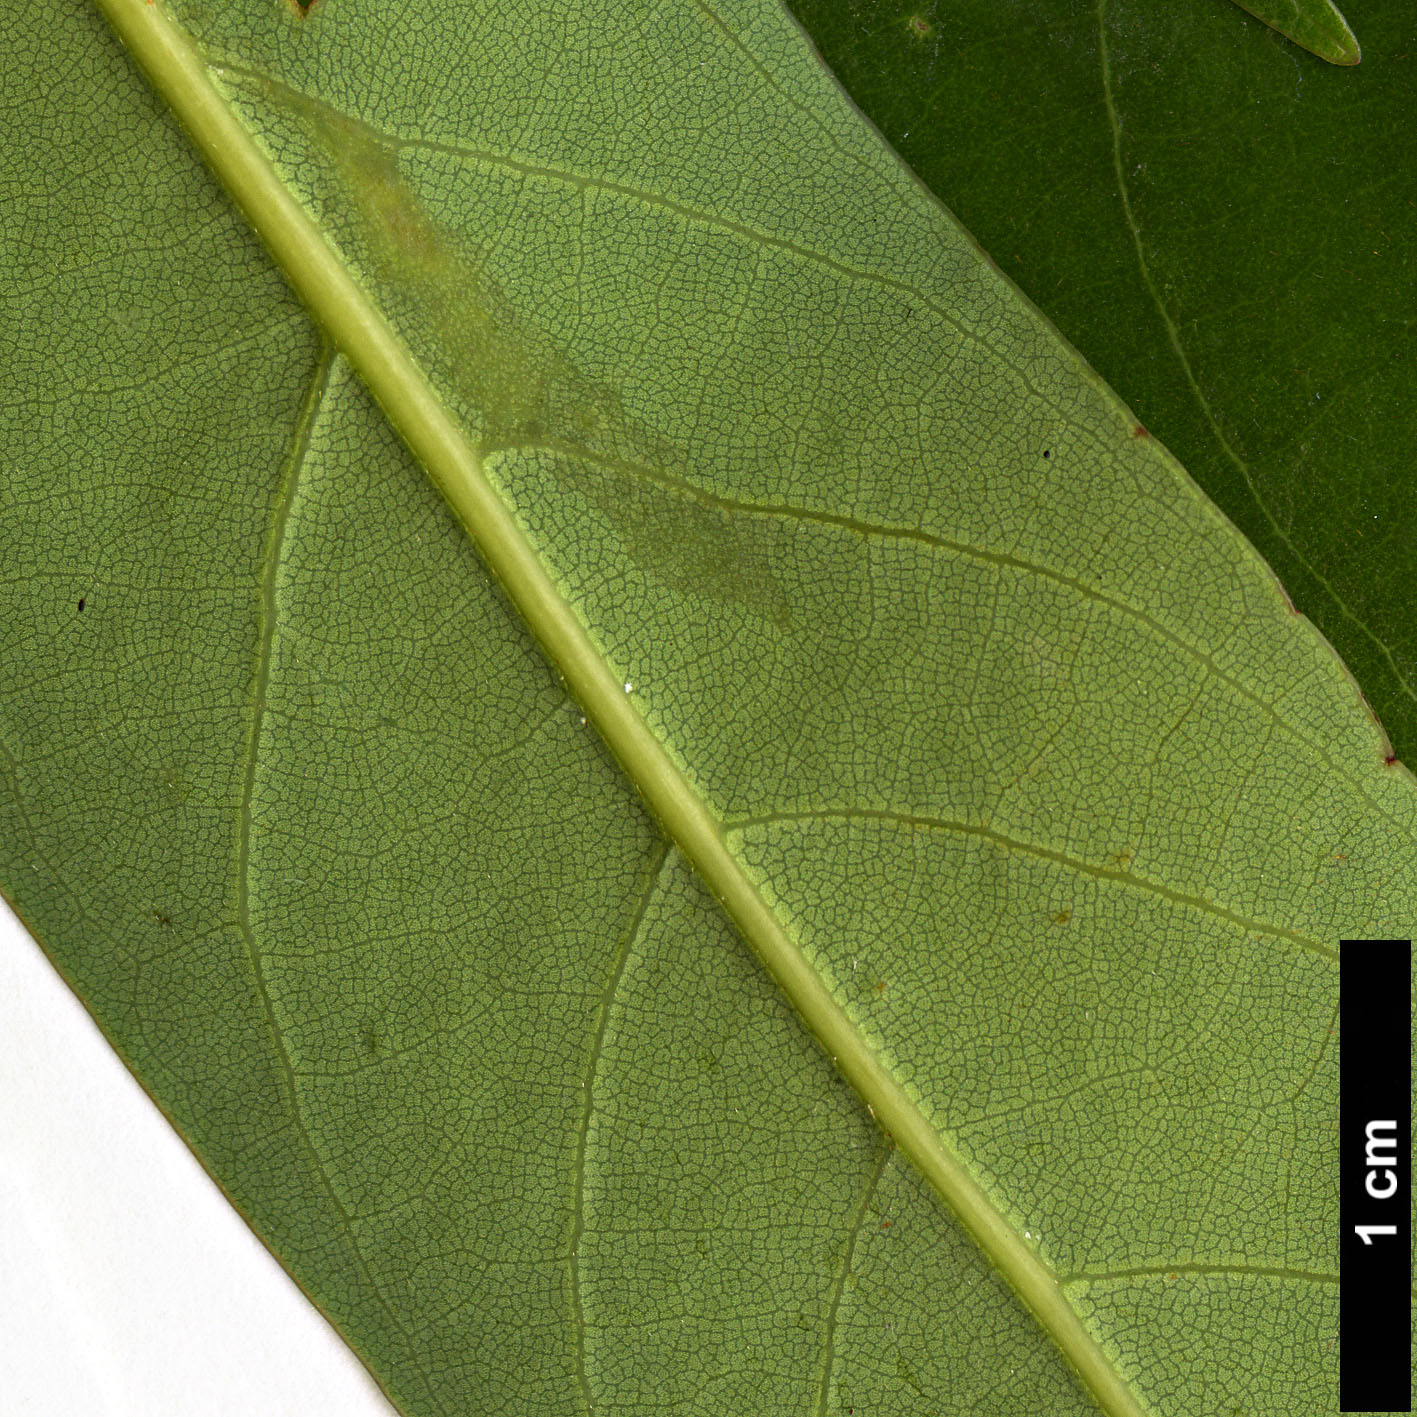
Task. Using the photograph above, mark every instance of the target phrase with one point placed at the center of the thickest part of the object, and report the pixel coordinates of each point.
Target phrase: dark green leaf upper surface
(1225, 227)
(1017, 736)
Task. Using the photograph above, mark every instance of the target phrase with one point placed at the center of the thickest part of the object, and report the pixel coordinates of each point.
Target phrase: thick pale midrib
(360, 331)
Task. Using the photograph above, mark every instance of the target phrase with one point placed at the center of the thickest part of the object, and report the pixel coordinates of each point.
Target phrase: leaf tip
(1344, 50)
(1315, 25)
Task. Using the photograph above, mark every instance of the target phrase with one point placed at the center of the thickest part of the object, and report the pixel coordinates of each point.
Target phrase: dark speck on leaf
(81, 604)
(1047, 452)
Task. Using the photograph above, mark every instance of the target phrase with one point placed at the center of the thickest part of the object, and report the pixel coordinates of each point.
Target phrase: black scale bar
(1374, 1176)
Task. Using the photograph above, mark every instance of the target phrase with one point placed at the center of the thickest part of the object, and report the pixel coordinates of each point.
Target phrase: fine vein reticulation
(806, 507)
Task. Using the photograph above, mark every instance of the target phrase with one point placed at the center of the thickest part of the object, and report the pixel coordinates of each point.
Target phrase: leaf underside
(1020, 740)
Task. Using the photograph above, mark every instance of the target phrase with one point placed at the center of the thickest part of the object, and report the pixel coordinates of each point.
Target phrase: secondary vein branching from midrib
(911, 821)
(1012, 561)
(582, 182)
(854, 1227)
(267, 621)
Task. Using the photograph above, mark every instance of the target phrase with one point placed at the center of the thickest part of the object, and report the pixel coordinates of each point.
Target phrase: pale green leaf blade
(929, 678)
(1315, 25)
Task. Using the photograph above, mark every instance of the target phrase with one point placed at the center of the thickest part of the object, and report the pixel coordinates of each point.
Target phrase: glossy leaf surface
(1017, 746)
(1225, 227)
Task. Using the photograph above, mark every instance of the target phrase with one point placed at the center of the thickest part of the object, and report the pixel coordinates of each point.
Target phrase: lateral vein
(607, 1000)
(1002, 560)
(1087, 868)
(843, 1273)
(268, 614)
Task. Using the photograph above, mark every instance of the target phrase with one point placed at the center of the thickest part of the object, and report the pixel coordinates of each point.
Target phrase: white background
(128, 1286)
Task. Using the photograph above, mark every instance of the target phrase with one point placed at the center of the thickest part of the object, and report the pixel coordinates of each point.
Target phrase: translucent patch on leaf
(515, 388)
